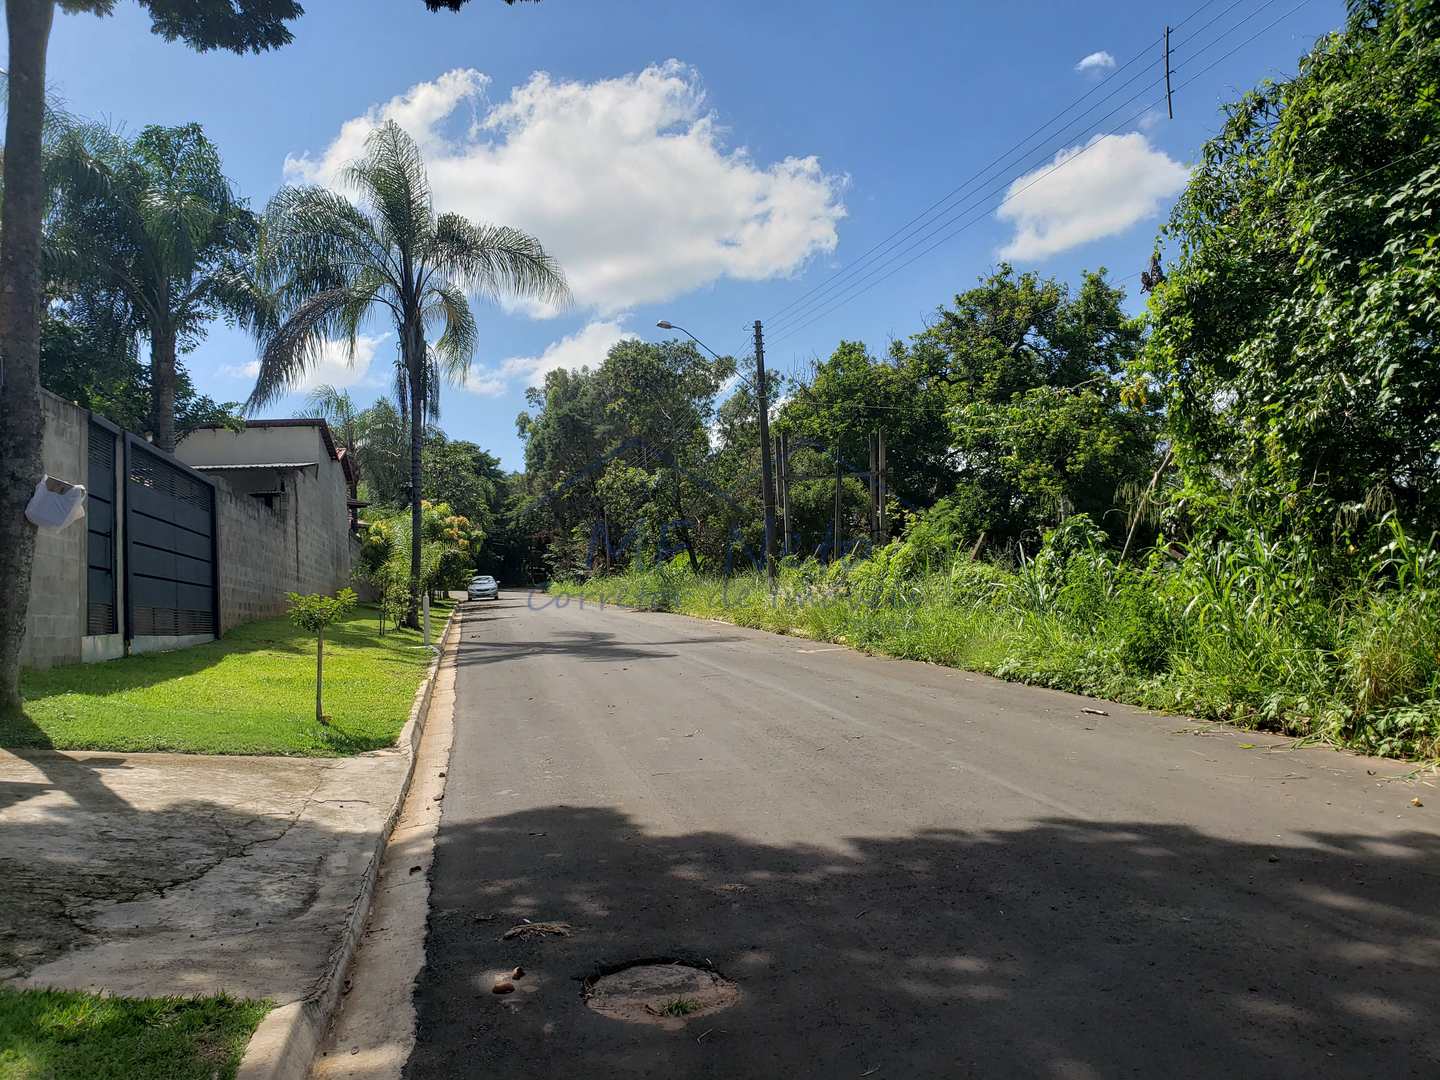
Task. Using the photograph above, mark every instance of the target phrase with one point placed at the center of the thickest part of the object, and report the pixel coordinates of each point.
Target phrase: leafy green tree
(464, 476)
(329, 265)
(315, 613)
(106, 376)
(152, 222)
(1295, 335)
(251, 27)
(853, 394)
(1041, 423)
(658, 400)
(565, 439)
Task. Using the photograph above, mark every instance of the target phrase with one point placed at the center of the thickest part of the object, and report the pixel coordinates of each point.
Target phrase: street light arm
(664, 325)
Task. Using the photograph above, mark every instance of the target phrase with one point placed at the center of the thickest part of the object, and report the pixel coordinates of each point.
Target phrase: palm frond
(447, 308)
(297, 345)
(391, 180)
(495, 261)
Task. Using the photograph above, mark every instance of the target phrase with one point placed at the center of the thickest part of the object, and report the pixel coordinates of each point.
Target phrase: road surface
(908, 871)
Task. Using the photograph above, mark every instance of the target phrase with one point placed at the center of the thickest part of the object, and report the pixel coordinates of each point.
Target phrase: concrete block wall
(55, 617)
(302, 545)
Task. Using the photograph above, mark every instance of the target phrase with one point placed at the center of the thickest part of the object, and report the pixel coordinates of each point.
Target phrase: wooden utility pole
(1169, 99)
(871, 479)
(782, 482)
(767, 485)
(835, 540)
(882, 487)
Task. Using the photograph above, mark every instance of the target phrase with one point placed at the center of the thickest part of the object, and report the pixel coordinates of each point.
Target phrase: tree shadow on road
(1068, 948)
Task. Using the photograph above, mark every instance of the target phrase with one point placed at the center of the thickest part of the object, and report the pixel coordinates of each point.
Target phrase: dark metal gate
(170, 579)
(100, 614)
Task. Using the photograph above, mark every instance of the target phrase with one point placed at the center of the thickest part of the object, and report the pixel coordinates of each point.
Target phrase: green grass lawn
(252, 692)
(61, 1035)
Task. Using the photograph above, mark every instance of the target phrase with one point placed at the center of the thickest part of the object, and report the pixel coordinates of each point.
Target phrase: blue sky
(711, 163)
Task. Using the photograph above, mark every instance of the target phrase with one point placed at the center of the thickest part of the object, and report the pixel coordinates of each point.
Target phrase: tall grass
(1254, 630)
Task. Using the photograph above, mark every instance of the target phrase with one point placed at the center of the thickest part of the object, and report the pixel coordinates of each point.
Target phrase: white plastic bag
(51, 509)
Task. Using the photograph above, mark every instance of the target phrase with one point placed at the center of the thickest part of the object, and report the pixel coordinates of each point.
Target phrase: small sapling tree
(314, 613)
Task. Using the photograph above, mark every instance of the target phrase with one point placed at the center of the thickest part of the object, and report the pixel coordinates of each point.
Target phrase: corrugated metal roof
(253, 468)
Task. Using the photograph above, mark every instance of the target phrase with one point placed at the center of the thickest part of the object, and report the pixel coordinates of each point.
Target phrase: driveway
(907, 871)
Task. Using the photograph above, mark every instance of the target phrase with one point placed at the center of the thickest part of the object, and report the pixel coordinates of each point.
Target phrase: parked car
(484, 588)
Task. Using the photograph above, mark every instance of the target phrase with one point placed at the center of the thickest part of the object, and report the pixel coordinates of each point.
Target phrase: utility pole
(835, 541)
(1169, 100)
(871, 481)
(767, 486)
(782, 482)
(882, 487)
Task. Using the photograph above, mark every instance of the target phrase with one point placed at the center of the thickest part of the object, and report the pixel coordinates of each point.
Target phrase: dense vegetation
(1225, 507)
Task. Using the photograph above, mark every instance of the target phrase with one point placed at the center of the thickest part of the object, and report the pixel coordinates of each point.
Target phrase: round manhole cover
(667, 994)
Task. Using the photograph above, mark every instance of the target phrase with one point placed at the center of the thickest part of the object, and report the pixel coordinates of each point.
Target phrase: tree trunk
(28, 23)
(162, 388)
(415, 365)
(683, 527)
(319, 676)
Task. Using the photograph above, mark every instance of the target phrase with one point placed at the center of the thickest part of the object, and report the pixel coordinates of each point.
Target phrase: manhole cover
(655, 992)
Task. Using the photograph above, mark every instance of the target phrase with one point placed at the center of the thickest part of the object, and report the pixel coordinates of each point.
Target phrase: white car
(484, 588)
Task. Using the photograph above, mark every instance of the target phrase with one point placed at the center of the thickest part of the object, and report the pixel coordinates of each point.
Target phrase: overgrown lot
(62, 1035)
(1244, 631)
(252, 692)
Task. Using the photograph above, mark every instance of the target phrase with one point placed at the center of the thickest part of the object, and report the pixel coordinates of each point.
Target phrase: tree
(617, 457)
(1041, 425)
(253, 26)
(106, 376)
(1295, 334)
(853, 394)
(314, 613)
(329, 265)
(154, 224)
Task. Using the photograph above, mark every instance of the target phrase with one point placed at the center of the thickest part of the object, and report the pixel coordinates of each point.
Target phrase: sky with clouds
(714, 164)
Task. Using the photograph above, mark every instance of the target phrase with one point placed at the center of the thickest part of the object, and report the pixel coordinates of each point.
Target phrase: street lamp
(767, 487)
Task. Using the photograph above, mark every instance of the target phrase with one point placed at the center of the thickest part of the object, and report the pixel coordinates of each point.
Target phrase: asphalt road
(909, 871)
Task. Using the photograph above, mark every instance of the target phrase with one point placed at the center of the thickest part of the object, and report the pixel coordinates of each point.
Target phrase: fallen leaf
(1247, 746)
(1416, 801)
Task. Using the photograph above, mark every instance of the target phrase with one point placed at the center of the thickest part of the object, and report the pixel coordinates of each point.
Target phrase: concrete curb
(286, 1042)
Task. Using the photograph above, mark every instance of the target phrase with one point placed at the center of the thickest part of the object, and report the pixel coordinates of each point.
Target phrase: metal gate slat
(169, 545)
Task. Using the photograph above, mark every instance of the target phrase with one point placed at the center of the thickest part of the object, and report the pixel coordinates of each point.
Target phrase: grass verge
(65, 1035)
(252, 692)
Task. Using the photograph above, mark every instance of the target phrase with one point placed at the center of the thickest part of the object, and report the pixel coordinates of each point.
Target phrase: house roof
(293, 421)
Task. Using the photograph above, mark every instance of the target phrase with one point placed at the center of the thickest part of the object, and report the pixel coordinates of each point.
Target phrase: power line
(906, 230)
(954, 214)
(870, 280)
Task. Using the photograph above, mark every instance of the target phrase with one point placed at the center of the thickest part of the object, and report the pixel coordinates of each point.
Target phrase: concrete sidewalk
(146, 874)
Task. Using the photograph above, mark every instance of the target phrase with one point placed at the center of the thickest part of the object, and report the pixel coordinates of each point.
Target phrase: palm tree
(328, 265)
(152, 228)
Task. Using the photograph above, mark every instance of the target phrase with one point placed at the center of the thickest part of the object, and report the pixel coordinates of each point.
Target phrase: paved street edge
(286, 1042)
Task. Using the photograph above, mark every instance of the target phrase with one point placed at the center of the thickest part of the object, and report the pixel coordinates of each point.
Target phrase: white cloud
(628, 181)
(1096, 61)
(334, 366)
(1103, 188)
(584, 348)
